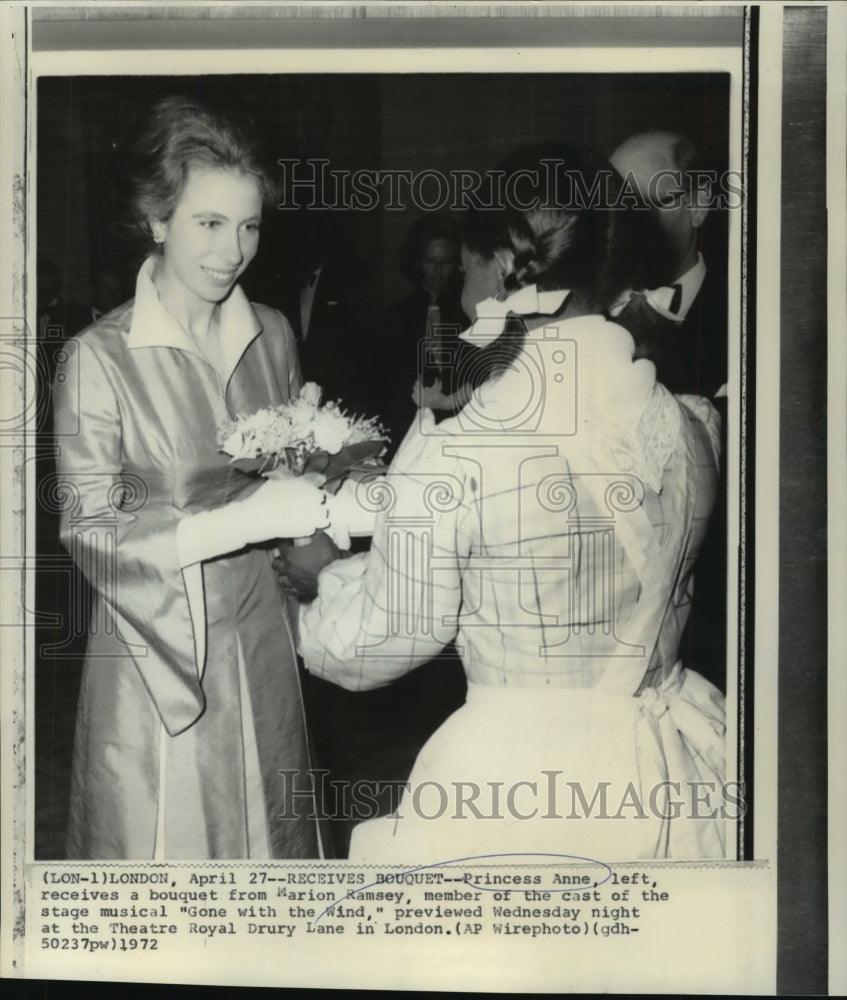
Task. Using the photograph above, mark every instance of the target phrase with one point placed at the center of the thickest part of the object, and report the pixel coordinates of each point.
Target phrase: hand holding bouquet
(304, 437)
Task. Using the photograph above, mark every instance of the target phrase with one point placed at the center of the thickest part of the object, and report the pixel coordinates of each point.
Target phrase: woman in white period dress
(190, 702)
(551, 528)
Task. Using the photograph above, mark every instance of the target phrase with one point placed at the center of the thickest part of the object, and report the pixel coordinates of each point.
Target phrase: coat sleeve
(282, 345)
(124, 541)
(382, 613)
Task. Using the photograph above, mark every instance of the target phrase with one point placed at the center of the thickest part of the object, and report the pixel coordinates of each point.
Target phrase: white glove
(348, 516)
(279, 508)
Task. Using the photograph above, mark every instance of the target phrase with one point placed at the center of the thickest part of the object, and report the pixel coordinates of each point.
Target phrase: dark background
(411, 122)
(414, 122)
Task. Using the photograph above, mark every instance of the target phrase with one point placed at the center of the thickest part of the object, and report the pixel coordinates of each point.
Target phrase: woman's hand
(283, 508)
(430, 396)
(279, 508)
(297, 567)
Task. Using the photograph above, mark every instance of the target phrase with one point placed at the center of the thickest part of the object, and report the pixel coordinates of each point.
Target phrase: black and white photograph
(401, 459)
(149, 737)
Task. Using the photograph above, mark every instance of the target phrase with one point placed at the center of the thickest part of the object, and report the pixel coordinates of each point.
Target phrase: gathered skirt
(580, 773)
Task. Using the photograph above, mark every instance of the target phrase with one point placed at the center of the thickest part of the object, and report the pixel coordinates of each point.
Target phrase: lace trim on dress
(657, 433)
(645, 450)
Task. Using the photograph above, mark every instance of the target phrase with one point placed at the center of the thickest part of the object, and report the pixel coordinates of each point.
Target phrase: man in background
(691, 350)
(323, 294)
(663, 168)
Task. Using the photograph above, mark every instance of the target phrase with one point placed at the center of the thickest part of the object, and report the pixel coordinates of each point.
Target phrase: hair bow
(491, 314)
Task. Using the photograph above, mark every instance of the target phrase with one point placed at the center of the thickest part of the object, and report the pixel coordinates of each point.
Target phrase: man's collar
(691, 282)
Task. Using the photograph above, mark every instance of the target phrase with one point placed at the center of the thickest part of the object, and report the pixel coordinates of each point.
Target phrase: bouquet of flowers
(302, 437)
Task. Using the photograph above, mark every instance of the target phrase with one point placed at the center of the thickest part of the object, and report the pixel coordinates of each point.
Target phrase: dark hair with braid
(570, 233)
(567, 231)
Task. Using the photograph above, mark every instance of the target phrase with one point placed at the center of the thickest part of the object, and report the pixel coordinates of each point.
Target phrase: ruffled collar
(582, 375)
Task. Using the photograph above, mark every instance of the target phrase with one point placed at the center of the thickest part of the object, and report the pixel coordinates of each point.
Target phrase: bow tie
(671, 301)
(308, 280)
(667, 301)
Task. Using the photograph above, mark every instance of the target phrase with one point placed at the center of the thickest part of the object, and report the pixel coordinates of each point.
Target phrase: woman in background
(190, 702)
(417, 341)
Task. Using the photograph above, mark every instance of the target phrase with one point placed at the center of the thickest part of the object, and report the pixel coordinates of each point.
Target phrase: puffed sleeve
(124, 541)
(382, 613)
(707, 414)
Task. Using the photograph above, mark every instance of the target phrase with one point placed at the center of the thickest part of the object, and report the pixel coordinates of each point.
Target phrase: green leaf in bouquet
(260, 466)
(350, 457)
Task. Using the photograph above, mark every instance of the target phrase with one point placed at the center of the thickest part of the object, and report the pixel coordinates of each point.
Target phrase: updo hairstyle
(176, 136)
(600, 246)
(561, 223)
(574, 234)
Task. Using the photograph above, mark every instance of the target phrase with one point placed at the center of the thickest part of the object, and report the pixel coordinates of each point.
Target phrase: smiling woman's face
(211, 237)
